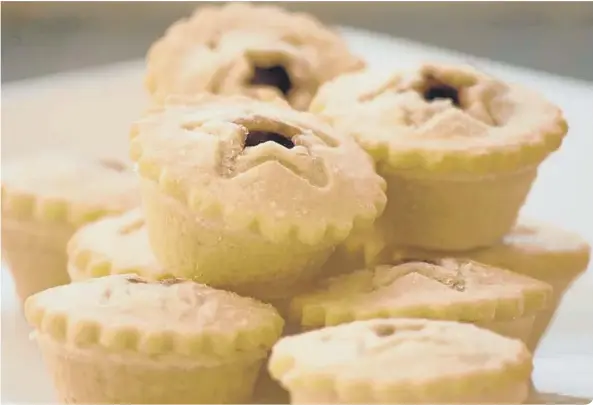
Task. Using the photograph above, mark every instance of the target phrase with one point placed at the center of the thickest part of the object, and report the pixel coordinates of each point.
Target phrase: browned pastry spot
(166, 282)
(255, 138)
(106, 295)
(132, 227)
(274, 76)
(412, 260)
(384, 330)
(113, 164)
(136, 280)
(172, 281)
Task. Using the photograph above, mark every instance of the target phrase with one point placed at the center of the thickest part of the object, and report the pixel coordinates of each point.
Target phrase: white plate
(90, 111)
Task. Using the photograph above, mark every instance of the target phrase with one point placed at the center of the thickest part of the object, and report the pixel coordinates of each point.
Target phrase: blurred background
(39, 38)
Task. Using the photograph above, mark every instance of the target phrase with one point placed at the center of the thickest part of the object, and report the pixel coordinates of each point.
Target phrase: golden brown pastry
(402, 361)
(247, 49)
(45, 199)
(248, 195)
(459, 149)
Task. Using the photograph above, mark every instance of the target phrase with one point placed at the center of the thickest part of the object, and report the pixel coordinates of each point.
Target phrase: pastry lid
(113, 245)
(60, 187)
(443, 120)
(387, 360)
(128, 313)
(451, 289)
(231, 48)
(259, 166)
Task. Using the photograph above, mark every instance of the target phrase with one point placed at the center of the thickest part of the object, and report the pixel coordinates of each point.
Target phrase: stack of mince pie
(297, 229)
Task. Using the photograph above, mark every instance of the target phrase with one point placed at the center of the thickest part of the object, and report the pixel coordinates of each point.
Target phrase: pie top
(113, 245)
(235, 48)
(65, 188)
(443, 119)
(452, 289)
(389, 358)
(173, 316)
(262, 166)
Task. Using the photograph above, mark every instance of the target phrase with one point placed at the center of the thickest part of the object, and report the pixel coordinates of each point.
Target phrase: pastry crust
(238, 48)
(125, 339)
(459, 149)
(199, 153)
(63, 189)
(533, 248)
(452, 289)
(247, 195)
(114, 245)
(45, 199)
(171, 316)
(443, 120)
(401, 361)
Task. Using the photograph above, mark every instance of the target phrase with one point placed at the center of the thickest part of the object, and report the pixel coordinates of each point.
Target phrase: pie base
(532, 334)
(513, 393)
(209, 251)
(545, 317)
(518, 328)
(87, 376)
(35, 254)
(559, 268)
(268, 391)
(451, 214)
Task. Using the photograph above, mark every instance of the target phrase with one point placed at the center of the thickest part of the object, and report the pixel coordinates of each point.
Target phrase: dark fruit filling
(442, 91)
(254, 138)
(274, 76)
